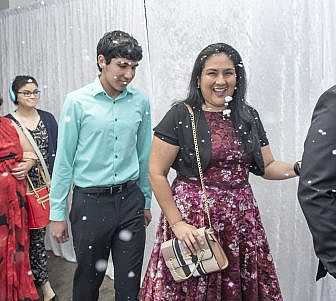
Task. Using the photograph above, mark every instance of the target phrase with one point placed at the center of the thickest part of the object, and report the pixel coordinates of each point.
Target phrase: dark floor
(61, 274)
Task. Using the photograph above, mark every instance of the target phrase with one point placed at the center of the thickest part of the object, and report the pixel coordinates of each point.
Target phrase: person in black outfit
(317, 185)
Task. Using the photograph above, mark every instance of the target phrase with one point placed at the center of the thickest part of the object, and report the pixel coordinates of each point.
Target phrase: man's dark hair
(116, 44)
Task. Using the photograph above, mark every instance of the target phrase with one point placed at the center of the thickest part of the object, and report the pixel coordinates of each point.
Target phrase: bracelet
(174, 225)
(297, 167)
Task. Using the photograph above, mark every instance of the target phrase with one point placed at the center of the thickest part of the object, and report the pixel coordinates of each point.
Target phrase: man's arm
(316, 192)
(69, 126)
(143, 148)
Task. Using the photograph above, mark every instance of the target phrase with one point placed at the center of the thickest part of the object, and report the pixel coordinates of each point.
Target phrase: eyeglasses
(36, 93)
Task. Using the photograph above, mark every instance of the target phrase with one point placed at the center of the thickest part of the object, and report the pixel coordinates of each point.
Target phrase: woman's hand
(188, 234)
(21, 170)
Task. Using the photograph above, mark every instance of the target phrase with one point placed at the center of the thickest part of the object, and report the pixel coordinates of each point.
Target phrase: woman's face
(28, 95)
(218, 80)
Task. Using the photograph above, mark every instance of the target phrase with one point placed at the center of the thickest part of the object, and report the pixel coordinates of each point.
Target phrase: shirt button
(116, 156)
(116, 119)
(116, 138)
(115, 174)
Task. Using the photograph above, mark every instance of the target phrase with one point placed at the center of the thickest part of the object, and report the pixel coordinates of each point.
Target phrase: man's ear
(101, 61)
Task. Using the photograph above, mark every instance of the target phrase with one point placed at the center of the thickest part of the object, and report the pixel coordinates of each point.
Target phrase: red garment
(16, 279)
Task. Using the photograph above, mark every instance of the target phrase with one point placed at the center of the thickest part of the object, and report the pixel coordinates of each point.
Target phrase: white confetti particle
(227, 98)
(84, 218)
(101, 265)
(131, 274)
(67, 119)
(125, 235)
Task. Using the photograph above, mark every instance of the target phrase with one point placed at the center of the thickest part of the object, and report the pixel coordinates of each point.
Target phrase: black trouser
(104, 222)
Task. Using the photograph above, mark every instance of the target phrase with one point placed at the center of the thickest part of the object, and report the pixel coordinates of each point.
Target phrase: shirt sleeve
(167, 128)
(144, 138)
(62, 176)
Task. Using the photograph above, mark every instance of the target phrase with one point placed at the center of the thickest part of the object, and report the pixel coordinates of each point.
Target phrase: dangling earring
(198, 85)
(227, 111)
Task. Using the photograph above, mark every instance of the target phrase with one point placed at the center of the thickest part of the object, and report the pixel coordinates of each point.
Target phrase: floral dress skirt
(250, 275)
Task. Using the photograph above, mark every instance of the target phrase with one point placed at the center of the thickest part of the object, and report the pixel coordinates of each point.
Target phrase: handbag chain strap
(198, 159)
(205, 200)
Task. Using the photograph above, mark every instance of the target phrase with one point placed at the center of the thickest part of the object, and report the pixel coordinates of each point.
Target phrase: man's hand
(148, 216)
(59, 230)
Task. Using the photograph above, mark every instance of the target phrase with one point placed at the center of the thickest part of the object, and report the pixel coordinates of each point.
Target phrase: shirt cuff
(57, 216)
(148, 203)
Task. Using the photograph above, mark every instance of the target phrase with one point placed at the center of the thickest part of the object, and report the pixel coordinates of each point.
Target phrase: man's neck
(108, 89)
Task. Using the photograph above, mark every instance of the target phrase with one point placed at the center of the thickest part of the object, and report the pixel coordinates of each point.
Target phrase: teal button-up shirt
(102, 141)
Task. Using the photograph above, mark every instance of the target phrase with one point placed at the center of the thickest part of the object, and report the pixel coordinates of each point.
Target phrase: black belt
(107, 189)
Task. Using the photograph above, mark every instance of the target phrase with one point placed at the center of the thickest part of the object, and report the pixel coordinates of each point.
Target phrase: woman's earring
(198, 85)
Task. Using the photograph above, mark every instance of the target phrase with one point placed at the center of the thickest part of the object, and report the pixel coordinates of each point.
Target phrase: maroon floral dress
(251, 274)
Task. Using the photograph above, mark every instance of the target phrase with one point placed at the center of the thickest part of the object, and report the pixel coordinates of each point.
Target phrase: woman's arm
(29, 156)
(276, 170)
(162, 157)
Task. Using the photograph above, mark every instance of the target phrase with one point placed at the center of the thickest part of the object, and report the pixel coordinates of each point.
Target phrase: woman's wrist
(175, 224)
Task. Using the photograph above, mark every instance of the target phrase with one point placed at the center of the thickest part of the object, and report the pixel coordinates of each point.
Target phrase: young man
(103, 147)
(317, 186)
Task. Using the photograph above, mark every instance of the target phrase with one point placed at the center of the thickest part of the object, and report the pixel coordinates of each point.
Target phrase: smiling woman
(218, 80)
(231, 143)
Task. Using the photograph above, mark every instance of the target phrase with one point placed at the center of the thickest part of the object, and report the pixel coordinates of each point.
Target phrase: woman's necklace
(225, 111)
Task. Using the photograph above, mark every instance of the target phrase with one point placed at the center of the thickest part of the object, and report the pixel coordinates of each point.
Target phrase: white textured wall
(23, 3)
(288, 48)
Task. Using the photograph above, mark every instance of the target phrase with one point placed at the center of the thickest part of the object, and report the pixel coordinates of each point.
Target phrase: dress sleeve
(166, 130)
(260, 129)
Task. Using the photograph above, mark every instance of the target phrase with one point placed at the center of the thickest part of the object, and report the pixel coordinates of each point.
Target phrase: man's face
(117, 74)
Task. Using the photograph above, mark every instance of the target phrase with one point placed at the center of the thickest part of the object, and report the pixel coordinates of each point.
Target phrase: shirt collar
(97, 88)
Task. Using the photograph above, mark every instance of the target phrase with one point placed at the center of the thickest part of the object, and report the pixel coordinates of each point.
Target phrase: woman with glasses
(42, 126)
